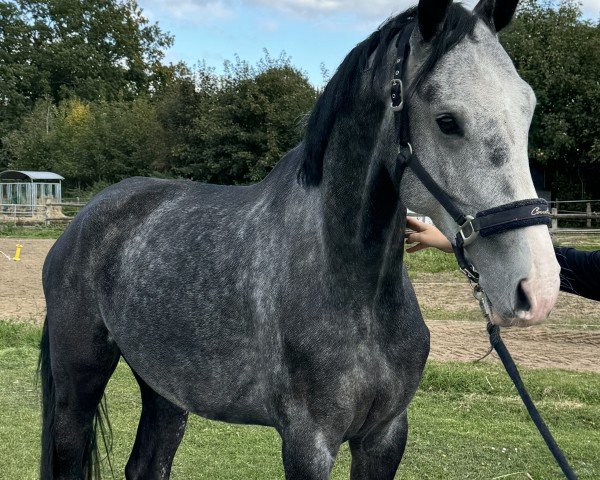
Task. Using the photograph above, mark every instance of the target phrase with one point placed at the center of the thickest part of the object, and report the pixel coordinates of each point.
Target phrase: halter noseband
(510, 216)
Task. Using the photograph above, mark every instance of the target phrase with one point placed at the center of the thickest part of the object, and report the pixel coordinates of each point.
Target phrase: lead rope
(497, 344)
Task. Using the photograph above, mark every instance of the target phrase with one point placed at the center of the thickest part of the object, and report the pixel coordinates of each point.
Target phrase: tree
(31, 143)
(178, 107)
(89, 49)
(229, 128)
(558, 53)
(90, 143)
(18, 76)
(249, 118)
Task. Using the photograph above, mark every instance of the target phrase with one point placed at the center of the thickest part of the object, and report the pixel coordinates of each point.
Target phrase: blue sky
(311, 32)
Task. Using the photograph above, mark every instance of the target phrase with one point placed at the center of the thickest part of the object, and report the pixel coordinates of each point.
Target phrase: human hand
(424, 236)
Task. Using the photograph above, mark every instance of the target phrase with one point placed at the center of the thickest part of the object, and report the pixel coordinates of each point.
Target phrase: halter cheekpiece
(510, 216)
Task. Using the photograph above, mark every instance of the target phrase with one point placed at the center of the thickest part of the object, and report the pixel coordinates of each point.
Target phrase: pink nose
(535, 301)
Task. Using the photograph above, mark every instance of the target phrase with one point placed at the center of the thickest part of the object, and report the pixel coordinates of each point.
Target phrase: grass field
(466, 423)
(582, 241)
(37, 231)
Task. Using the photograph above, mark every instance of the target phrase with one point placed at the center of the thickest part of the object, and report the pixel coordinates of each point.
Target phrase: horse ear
(431, 15)
(496, 13)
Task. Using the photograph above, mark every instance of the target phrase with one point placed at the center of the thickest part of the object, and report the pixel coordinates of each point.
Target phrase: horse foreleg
(159, 433)
(308, 453)
(377, 455)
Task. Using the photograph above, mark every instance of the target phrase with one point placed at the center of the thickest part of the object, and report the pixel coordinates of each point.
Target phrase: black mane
(340, 93)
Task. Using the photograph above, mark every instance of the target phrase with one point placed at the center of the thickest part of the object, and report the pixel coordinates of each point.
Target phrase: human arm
(424, 236)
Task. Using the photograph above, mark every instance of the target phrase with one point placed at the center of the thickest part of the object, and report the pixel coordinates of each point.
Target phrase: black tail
(91, 454)
(45, 372)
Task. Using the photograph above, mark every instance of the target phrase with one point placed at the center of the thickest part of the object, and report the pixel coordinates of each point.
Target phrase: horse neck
(363, 219)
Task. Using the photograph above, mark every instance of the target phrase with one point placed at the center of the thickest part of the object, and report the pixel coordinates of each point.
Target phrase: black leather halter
(510, 216)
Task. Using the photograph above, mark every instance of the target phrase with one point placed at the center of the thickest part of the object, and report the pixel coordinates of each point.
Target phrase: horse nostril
(523, 301)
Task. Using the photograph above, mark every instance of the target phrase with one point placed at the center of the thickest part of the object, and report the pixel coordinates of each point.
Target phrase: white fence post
(47, 215)
(554, 219)
(588, 210)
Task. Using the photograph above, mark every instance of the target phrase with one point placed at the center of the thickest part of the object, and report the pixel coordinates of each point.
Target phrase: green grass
(466, 423)
(430, 260)
(33, 231)
(19, 335)
(555, 322)
(582, 241)
(434, 261)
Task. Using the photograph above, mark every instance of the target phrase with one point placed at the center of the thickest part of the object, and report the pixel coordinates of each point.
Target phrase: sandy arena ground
(570, 339)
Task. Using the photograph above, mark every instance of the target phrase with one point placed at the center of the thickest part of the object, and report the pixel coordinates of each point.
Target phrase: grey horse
(286, 303)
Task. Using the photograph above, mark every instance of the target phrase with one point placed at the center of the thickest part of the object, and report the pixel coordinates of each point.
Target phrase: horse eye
(448, 125)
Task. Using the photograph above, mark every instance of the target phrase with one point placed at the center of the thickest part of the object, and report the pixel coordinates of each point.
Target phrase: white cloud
(193, 11)
(374, 9)
(591, 8)
(204, 10)
(361, 11)
(269, 25)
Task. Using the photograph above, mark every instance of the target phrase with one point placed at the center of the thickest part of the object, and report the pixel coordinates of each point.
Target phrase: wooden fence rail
(50, 214)
(588, 216)
(66, 204)
(580, 216)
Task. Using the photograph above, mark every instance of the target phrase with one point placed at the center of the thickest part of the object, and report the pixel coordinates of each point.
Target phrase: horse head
(470, 114)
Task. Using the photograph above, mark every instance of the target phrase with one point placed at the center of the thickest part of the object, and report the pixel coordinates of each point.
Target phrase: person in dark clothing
(579, 270)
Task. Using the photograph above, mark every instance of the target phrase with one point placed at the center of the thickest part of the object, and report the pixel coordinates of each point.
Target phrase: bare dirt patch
(447, 296)
(536, 347)
(570, 339)
(21, 295)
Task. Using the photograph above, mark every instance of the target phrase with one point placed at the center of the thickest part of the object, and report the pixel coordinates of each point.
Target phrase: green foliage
(89, 142)
(18, 75)
(558, 53)
(91, 49)
(229, 128)
(233, 128)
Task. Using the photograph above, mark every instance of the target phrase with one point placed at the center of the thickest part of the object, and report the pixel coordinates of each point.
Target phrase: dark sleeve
(579, 272)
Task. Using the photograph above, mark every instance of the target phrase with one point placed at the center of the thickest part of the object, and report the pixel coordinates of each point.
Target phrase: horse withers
(286, 303)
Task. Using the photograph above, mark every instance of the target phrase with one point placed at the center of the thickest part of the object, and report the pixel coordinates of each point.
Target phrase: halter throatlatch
(510, 216)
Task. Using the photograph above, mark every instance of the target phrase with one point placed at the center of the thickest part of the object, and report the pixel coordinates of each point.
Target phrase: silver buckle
(468, 239)
(471, 274)
(398, 108)
(406, 145)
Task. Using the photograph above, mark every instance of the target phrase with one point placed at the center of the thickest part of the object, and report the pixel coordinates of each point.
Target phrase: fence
(568, 216)
(51, 212)
(571, 217)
